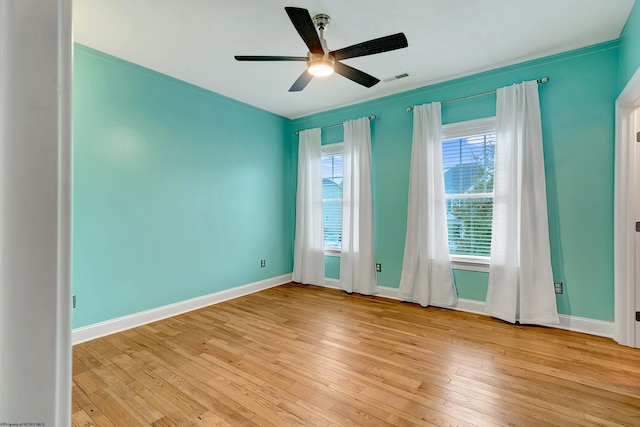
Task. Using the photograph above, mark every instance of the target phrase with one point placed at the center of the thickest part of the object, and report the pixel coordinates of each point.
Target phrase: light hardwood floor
(302, 355)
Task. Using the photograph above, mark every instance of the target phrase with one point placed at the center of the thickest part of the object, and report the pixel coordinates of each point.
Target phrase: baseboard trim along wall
(97, 330)
(86, 333)
(600, 328)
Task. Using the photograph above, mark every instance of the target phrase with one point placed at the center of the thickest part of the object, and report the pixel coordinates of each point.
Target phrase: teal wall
(578, 125)
(332, 267)
(177, 192)
(176, 197)
(629, 47)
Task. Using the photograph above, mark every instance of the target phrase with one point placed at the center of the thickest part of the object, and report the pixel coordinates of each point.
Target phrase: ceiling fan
(323, 62)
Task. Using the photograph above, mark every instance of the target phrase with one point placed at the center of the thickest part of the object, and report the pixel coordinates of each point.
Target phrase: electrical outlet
(73, 300)
(263, 263)
(378, 268)
(558, 287)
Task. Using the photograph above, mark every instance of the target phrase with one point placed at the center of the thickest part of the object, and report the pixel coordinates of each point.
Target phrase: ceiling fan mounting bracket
(321, 21)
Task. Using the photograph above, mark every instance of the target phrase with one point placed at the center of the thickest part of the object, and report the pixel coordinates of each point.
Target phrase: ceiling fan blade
(356, 75)
(301, 19)
(371, 47)
(301, 82)
(269, 58)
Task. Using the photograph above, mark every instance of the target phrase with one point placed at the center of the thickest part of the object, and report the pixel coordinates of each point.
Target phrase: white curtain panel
(520, 277)
(427, 277)
(357, 260)
(308, 253)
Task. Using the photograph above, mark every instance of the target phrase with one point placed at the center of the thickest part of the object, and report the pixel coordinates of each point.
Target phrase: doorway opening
(627, 214)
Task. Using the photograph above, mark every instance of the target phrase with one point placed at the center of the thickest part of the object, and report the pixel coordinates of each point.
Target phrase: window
(468, 162)
(332, 169)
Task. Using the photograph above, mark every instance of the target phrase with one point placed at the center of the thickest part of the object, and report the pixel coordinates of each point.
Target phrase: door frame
(625, 201)
(36, 47)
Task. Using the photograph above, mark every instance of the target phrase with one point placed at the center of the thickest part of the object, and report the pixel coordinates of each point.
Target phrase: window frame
(331, 150)
(466, 129)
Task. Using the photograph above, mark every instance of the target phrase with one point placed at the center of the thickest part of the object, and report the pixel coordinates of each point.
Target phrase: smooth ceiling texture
(195, 41)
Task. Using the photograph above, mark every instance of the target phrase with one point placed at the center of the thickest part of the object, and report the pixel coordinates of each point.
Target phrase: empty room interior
(432, 234)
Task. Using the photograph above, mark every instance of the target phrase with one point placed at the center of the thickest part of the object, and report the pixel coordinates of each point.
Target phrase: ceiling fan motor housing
(320, 57)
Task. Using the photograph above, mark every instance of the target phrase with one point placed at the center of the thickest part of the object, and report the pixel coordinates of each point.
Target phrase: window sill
(334, 252)
(470, 263)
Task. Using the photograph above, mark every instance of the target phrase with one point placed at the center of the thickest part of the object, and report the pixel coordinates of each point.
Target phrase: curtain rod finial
(543, 80)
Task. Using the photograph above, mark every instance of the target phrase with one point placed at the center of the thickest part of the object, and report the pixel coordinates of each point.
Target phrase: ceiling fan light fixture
(321, 68)
(320, 64)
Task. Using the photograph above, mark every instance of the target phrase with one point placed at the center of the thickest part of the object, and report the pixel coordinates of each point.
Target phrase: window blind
(332, 170)
(468, 164)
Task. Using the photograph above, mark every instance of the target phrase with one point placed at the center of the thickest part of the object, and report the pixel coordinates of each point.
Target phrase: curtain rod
(541, 80)
(337, 124)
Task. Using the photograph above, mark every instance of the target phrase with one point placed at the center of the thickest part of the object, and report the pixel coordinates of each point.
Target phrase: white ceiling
(195, 41)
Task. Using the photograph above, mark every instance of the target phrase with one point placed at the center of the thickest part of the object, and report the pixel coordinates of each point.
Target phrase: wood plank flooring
(308, 356)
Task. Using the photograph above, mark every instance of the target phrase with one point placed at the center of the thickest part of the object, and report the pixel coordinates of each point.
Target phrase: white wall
(35, 85)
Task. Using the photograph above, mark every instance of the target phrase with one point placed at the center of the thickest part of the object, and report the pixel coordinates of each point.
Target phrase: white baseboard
(86, 333)
(600, 328)
(97, 330)
(470, 306)
(331, 283)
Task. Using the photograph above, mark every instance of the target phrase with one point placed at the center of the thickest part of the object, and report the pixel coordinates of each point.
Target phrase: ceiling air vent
(399, 76)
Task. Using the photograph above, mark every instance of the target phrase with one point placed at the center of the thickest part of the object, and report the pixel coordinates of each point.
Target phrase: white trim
(583, 325)
(332, 149)
(624, 214)
(471, 306)
(35, 147)
(470, 262)
(467, 305)
(601, 328)
(470, 266)
(331, 283)
(97, 330)
(387, 292)
(469, 128)
(63, 351)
